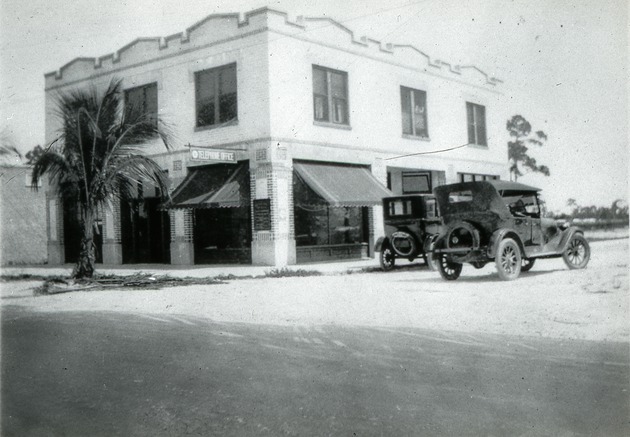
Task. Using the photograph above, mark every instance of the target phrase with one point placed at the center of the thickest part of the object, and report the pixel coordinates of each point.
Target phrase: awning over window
(213, 187)
(341, 185)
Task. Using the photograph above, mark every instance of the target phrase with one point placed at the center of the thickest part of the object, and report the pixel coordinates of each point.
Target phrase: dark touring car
(409, 222)
(503, 222)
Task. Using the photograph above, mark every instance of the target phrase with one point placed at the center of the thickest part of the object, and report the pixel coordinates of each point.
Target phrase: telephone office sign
(212, 155)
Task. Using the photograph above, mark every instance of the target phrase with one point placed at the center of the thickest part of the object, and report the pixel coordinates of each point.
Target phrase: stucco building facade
(288, 132)
(23, 221)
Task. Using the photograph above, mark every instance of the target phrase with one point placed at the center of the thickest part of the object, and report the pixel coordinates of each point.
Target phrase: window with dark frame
(330, 96)
(216, 96)
(416, 183)
(142, 101)
(472, 177)
(414, 112)
(476, 116)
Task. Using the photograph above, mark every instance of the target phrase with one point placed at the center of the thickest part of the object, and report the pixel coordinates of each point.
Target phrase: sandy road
(550, 301)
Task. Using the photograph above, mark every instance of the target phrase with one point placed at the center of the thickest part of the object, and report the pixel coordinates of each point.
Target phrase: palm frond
(9, 150)
(62, 176)
(124, 175)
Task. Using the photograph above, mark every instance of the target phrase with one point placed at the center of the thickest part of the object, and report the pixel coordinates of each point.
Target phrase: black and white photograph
(314, 218)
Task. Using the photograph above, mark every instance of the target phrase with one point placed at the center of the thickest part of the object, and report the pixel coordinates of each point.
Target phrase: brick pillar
(273, 239)
(182, 247)
(112, 241)
(54, 229)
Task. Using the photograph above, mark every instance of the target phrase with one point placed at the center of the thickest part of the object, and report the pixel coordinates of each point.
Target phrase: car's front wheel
(508, 259)
(578, 252)
(387, 258)
(449, 270)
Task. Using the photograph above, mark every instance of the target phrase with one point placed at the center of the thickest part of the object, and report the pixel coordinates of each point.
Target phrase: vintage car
(409, 221)
(503, 222)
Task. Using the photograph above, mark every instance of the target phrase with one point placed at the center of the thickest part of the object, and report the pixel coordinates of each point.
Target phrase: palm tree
(96, 157)
(7, 149)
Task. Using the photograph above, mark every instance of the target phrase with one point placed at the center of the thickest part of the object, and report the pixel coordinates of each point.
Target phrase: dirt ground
(550, 301)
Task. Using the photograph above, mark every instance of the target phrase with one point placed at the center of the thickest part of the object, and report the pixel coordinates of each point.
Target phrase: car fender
(380, 243)
(498, 235)
(430, 243)
(436, 241)
(566, 237)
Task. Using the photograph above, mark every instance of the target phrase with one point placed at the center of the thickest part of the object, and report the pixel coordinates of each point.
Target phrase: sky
(563, 63)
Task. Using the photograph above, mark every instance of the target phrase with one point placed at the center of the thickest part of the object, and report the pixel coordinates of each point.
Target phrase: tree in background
(617, 213)
(619, 208)
(518, 153)
(97, 157)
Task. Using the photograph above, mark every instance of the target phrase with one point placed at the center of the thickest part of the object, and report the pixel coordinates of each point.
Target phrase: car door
(518, 206)
(523, 227)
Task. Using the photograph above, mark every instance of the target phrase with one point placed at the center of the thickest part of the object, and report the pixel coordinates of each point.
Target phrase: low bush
(286, 272)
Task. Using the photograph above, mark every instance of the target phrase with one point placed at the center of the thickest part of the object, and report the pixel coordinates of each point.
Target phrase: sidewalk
(241, 270)
(198, 271)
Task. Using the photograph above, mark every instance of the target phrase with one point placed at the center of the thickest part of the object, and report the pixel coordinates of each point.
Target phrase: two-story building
(289, 132)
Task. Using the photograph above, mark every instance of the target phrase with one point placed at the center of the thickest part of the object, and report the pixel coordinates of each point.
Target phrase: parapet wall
(221, 28)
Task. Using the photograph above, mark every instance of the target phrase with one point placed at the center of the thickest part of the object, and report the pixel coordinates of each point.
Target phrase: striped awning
(342, 185)
(212, 187)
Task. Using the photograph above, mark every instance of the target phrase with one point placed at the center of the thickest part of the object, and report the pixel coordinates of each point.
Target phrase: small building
(23, 235)
(290, 131)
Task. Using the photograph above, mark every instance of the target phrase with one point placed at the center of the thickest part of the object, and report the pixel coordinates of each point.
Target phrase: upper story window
(142, 101)
(414, 112)
(215, 95)
(330, 95)
(476, 115)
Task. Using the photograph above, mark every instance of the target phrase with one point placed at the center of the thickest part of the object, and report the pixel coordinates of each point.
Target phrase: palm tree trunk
(85, 264)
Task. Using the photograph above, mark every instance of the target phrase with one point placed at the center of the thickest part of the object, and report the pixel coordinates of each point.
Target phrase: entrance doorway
(222, 235)
(219, 198)
(145, 232)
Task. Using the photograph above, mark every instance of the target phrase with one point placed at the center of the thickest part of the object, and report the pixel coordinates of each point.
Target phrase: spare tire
(404, 244)
(463, 236)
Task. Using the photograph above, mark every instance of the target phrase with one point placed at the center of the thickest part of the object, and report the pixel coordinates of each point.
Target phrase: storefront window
(317, 223)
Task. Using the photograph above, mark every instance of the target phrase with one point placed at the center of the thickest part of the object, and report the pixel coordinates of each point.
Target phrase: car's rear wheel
(448, 269)
(430, 259)
(578, 252)
(431, 262)
(387, 258)
(508, 259)
(527, 264)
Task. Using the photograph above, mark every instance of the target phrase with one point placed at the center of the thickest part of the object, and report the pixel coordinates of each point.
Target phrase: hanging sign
(212, 155)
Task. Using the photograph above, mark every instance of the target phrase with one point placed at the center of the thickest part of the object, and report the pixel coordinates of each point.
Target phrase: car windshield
(522, 204)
